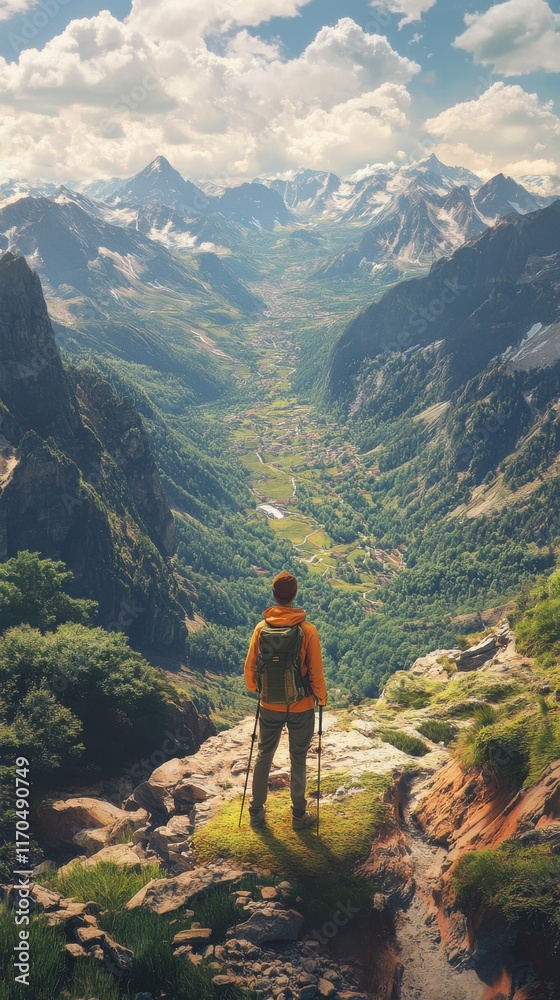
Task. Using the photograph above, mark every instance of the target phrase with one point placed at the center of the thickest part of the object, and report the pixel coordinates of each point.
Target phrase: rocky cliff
(376, 906)
(78, 481)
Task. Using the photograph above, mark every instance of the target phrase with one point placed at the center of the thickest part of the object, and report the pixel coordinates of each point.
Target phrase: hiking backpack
(279, 677)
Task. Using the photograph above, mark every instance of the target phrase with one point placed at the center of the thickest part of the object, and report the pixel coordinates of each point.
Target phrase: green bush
(32, 592)
(56, 687)
(513, 752)
(403, 741)
(538, 631)
(438, 731)
(523, 882)
(502, 750)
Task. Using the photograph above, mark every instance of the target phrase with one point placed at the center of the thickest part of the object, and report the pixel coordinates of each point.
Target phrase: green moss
(322, 866)
(523, 882)
(403, 741)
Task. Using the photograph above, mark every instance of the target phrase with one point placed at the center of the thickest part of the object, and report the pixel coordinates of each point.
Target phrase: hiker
(284, 665)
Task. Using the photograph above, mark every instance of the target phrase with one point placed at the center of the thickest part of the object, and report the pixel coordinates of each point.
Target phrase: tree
(33, 592)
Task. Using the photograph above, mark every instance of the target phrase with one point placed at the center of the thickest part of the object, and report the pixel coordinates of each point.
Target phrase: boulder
(187, 793)
(119, 854)
(92, 840)
(59, 820)
(155, 794)
(173, 837)
(269, 924)
(476, 656)
(165, 895)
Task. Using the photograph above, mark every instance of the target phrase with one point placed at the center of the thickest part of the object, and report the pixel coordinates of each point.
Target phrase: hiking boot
(257, 818)
(301, 820)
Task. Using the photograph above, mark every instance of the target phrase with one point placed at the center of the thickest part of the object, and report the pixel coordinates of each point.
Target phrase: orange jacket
(311, 659)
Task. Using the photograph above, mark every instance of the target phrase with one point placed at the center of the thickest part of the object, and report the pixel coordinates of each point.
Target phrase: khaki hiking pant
(301, 726)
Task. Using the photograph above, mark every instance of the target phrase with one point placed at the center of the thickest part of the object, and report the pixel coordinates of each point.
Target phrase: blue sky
(257, 95)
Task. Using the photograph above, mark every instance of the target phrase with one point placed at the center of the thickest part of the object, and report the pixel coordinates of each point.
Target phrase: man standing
(284, 665)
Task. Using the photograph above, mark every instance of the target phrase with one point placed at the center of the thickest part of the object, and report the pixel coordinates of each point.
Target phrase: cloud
(191, 18)
(9, 8)
(515, 37)
(105, 95)
(410, 10)
(494, 132)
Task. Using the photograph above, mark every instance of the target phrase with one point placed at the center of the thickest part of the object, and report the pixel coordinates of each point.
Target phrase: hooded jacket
(311, 659)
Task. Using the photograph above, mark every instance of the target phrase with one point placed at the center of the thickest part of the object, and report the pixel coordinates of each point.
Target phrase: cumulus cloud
(111, 93)
(515, 37)
(9, 8)
(410, 10)
(498, 131)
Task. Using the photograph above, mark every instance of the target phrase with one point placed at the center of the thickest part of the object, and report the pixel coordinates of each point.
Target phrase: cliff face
(77, 479)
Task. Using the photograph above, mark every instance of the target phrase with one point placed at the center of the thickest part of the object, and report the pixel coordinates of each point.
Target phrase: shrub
(56, 687)
(523, 882)
(538, 631)
(403, 741)
(438, 731)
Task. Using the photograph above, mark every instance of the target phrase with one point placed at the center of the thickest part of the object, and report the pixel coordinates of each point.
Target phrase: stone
(120, 854)
(307, 992)
(268, 924)
(196, 935)
(175, 834)
(92, 840)
(269, 893)
(476, 656)
(88, 936)
(189, 793)
(156, 793)
(325, 989)
(59, 820)
(46, 899)
(224, 982)
(165, 895)
(75, 950)
(116, 959)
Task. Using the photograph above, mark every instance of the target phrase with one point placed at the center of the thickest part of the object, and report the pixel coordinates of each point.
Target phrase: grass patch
(409, 692)
(514, 752)
(438, 731)
(46, 945)
(323, 866)
(106, 883)
(403, 741)
(522, 882)
(149, 935)
(91, 982)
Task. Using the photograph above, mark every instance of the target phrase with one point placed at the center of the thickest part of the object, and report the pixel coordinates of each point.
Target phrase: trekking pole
(319, 751)
(253, 738)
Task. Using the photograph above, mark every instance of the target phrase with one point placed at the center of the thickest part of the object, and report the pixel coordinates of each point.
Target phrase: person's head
(284, 588)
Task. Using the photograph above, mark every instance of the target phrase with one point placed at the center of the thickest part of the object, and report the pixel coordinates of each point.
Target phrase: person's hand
(321, 702)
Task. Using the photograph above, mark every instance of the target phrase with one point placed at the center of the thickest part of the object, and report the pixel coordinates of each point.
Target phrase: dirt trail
(426, 973)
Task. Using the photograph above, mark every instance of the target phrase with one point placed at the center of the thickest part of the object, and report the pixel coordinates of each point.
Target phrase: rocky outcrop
(78, 481)
(169, 894)
(61, 820)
